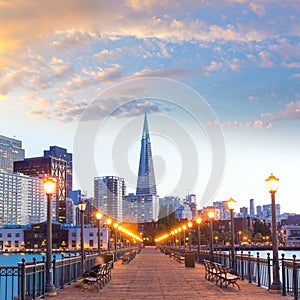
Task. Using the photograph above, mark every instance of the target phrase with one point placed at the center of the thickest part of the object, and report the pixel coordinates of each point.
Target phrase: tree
(261, 227)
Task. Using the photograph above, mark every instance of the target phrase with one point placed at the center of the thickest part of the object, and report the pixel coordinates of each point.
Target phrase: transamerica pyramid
(146, 179)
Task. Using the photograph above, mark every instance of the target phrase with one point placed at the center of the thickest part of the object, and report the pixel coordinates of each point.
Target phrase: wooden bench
(222, 275)
(210, 270)
(95, 278)
(178, 256)
(98, 276)
(128, 257)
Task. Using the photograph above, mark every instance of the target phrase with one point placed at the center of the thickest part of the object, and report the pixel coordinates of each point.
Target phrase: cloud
(251, 124)
(106, 54)
(136, 108)
(90, 78)
(297, 75)
(165, 73)
(61, 110)
(291, 112)
(266, 58)
(80, 24)
(293, 65)
(258, 8)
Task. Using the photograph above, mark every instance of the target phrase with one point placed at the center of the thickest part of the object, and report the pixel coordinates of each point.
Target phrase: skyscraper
(109, 192)
(252, 211)
(62, 153)
(10, 151)
(22, 199)
(48, 166)
(146, 179)
(144, 206)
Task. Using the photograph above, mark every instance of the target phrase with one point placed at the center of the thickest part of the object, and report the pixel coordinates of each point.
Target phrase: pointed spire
(145, 129)
(146, 179)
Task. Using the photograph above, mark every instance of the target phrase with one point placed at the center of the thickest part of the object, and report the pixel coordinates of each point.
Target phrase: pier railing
(258, 270)
(27, 280)
(255, 269)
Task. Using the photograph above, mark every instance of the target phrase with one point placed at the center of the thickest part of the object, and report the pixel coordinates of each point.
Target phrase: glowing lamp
(49, 185)
(231, 204)
(272, 183)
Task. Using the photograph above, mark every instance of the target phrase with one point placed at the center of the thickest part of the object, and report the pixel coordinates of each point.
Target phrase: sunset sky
(61, 64)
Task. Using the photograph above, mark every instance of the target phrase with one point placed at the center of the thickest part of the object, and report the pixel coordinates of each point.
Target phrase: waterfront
(288, 254)
(9, 259)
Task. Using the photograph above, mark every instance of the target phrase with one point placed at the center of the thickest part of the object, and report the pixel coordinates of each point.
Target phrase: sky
(219, 81)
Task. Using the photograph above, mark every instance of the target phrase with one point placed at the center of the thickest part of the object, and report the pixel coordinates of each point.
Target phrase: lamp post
(211, 215)
(231, 206)
(190, 224)
(108, 222)
(116, 225)
(179, 233)
(49, 187)
(120, 228)
(198, 221)
(82, 207)
(184, 241)
(272, 183)
(99, 217)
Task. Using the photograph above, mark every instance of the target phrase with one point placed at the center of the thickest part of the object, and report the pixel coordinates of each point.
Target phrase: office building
(62, 153)
(146, 180)
(264, 212)
(22, 199)
(109, 192)
(147, 204)
(48, 166)
(10, 151)
(252, 208)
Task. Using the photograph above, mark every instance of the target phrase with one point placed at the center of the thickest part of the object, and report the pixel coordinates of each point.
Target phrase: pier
(153, 275)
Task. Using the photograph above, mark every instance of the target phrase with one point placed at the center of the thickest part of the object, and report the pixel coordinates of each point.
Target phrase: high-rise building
(223, 209)
(264, 212)
(109, 192)
(48, 166)
(22, 199)
(252, 208)
(243, 212)
(145, 204)
(146, 179)
(62, 153)
(10, 151)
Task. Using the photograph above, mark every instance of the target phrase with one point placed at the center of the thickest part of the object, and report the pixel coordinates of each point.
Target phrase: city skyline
(242, 57)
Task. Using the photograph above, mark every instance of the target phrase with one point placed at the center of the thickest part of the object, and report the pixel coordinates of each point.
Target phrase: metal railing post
(62, 272)
(258, 268)
(269, 270)
(70, 270)
(283, 275)
(23, 279)
(295, 278)
(43, 276)
(54, 270)
(249, 267)
(34, 279)
(242, 265)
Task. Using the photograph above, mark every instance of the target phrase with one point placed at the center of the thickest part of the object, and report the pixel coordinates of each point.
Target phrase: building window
(9, 234)
(91, 243)
(16, 243)
(17, 234)
(73, 243)
(91, 234)
(73, 234)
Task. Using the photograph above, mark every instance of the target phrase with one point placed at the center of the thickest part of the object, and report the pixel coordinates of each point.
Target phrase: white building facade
(22, 199)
